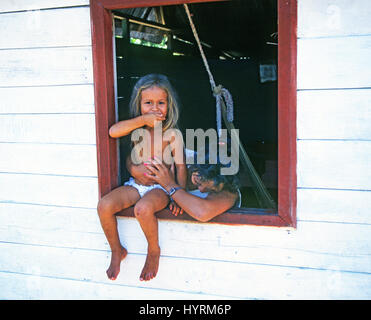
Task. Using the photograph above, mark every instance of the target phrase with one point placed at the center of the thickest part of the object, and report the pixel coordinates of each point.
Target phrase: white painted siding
(333, 119)
(47, 141)
(51, 242)
(21, 5)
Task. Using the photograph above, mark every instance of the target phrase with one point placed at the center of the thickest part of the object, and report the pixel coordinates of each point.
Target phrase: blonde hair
(162, 82)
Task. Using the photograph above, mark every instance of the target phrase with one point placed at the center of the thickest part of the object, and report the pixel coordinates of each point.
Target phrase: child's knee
(143, 210)
(105, 207)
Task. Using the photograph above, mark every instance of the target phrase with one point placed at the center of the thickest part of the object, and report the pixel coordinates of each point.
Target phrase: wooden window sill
(251, 216)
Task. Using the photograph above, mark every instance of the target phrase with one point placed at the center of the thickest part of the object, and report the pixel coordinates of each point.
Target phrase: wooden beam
(121, 4)
(287, 50)
(101, 25)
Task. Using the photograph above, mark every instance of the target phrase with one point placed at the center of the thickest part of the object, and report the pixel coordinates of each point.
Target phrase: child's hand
(149, 119)
(175, 209)
(141, 174)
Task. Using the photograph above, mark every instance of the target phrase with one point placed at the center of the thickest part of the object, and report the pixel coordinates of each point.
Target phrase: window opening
(240, 42)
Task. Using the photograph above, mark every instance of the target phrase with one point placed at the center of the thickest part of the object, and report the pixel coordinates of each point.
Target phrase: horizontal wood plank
(59, 159)
(341, 206)
(334, 164)
(48, 99)
(16, 286)
(243, 280)
(334, 63)
(48, 128)
(21, 5)
(71, 228)
(46, 66)
(334, 114)
(49, 190)
(326, 18)
(46, 28)
(34, 216)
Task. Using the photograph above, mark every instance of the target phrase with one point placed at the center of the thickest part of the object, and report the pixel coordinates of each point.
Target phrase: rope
(218, 91)
(226, 110)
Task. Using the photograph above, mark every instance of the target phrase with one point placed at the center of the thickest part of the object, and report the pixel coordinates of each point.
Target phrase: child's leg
(145, 209)
(113, 202)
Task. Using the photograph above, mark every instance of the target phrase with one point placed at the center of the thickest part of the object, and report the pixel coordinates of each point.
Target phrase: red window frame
(103, 68)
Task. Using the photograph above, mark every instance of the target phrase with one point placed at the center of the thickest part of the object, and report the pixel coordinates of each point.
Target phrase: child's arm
(125, 127)
(179, 158)
(181, 175)
(181, 180)
(198, 208)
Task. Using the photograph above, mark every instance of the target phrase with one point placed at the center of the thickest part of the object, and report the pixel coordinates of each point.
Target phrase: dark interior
(238, 36)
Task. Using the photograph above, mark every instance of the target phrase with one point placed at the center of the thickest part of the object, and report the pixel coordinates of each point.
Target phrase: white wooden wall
(51, 242)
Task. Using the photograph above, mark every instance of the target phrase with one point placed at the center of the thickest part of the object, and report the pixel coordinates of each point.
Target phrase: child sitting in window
(153, 101)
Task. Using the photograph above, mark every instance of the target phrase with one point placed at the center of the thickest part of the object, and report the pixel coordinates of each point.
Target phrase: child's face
(154, 100)
(205, 185)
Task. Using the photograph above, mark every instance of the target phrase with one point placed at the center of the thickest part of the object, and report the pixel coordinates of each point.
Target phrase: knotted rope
(218, 91)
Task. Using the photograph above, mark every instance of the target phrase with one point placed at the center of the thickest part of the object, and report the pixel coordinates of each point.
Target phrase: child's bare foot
(151, 265)
(116, 258)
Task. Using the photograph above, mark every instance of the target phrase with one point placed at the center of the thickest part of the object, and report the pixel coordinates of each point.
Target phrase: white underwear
(142, 189)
